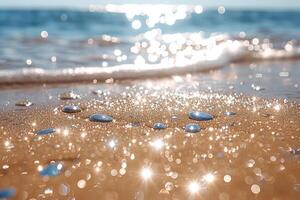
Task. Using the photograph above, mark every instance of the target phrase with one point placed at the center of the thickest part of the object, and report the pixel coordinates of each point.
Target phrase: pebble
(100, 118)
(192, 128)
(229, 113)
(97, 92)
(7, 193)
(257, 88)
(159, 126)
(46, 131)
(25, 103)
(71, 109)
(295, 151)
(200, 116)
(53, 169)
(69, 96)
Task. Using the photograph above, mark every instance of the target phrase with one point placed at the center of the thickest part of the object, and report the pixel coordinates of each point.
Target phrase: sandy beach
(249, 150)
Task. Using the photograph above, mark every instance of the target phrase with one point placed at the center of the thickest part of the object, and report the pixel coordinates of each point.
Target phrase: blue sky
(270, 4)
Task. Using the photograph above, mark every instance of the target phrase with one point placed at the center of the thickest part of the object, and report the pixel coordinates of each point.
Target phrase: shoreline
(275, 80)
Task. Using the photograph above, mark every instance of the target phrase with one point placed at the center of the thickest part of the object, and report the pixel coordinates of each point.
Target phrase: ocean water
(127, 41)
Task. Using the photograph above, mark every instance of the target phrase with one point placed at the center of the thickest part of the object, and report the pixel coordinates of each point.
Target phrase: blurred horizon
(229, 4)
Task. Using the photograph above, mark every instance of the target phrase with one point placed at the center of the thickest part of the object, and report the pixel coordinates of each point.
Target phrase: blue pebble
(7, 193)
(100, 118)
(229, 113)
(159, 126)
(192, 128)
(200, 116)
(53, 169)
(71, 109)
(46, 131)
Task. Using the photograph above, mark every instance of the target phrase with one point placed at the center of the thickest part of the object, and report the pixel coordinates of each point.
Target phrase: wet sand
(250, 155)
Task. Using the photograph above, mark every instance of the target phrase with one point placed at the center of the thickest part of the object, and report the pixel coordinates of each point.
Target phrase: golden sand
(250, 155)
